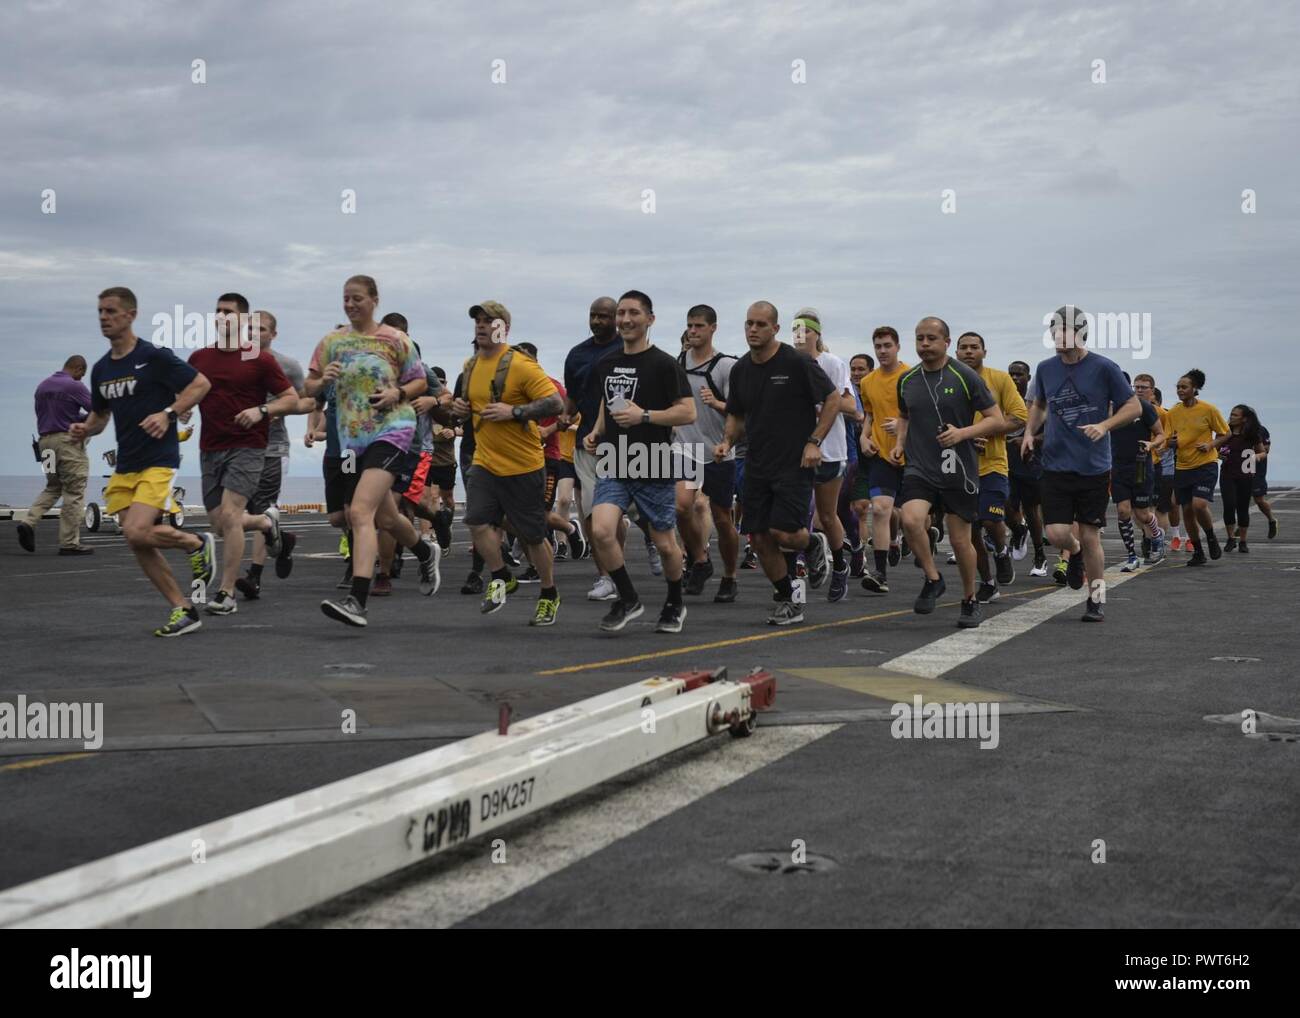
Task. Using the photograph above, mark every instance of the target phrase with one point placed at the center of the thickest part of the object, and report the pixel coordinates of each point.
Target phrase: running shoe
(671, 618)
(952, 558)
(221, 604)
(800, 568)
(497, 591)
(1019, 542)
(442, 528)
(1092, 612)
(346, 582)
(1132, 565)
(987, 593)
(1216, 552)
(203, 562)
(1059, 571)
(430, 573)
(284, 560)
(1242, 549)
(1272, 529)
(577, 543)
(1005, 568)
(819, 559)
(180, 622)
(344, 548)
(1230, 544)
(620, 614)
(1074, 572)
(727, 591)
(785, 613)
(473, 584)
(750, 560)
(931, 591)
(249, 587)
(934, 540)
(857, 562)
(699, 574)
(382, 587)
(875, 583)
(27, 538)
(603, 590)
(395, 567)
(562, 552)
(902, 542)
(273, 535)
(1197, 559)
(347, 611)
(970, 614)
(547, 608)
(530, 575)
(1176, 543)
(895, 553)
(652, 554)
(1040, 566)
(509, 559)
(839, 588)
(1157, 553)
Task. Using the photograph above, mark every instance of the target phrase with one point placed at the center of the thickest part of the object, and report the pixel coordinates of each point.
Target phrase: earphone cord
(967, 485)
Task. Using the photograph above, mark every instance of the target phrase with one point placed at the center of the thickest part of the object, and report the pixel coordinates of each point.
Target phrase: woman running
(1243, 460)
(1197, 431)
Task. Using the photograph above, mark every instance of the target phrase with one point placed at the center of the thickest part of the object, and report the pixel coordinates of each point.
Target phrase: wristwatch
(814, 440)
(265, 411)
(517, 412)
(171, 415)
(645, 417)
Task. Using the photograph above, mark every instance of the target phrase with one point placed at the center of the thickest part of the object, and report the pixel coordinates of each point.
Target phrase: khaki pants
(68, 470)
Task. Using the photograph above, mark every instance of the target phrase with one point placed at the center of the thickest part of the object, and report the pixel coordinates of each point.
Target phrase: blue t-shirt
(1078, 394)
(143, 382)
(577, 371)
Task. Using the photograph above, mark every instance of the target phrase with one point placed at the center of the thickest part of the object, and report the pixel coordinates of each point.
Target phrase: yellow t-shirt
(880, 399)
(993, 460)
(567, 440)
(1194, 424)
(507, 448)
(1163, 414)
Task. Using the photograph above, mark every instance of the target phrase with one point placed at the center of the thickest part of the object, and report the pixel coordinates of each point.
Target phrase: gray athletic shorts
(491, 498)
(237, 470)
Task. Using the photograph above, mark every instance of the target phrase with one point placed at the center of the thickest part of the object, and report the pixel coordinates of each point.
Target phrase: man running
(854, 510)
(773, 402)
(995, 483)
(1197, 430)
(1132, 478)
(62, 400)
(1024, 501)
(938, 401)
(506, 392)
(709, 374)
(645, 395)
(143, 388)
(1072, 395)
(880, 477)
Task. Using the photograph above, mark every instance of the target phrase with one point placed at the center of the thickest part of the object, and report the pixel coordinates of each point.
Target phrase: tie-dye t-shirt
(383, 360)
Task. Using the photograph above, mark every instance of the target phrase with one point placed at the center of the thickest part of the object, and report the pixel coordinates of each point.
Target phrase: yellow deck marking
(41, 761)
(897, 687)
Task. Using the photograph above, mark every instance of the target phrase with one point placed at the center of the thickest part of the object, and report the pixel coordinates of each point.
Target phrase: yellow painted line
(41, 761)
(795, 631)
(897, 687)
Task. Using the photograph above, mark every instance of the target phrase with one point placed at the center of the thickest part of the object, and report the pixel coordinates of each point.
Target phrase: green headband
(810, 323)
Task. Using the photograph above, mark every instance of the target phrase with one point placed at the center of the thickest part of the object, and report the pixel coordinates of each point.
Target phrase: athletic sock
(837, 556)
(1126, 532)
(549, 593)
(784, 588)
(501, 574)
(420, 550)
(476, 563)
(882, 561)
(361, 589)
(255, 570)
(626, 592)
(675, 592)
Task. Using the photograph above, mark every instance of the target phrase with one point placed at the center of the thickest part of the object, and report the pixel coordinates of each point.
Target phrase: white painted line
(469, 882)
(943, 655)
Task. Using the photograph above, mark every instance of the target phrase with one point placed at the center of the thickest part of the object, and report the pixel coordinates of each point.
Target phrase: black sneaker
(1006, 570)
(180, 622)
(785, 613)
(346, 582)
(1074, 572)
(395, 567)
(530, 575)
(839, 589)
(284, 561)
(1272, 529)
(1197, 559)
(727, 591)
(1216, 552)
(442, 528)
(249, 587)
(818, 553)
(577, 543)
(473, 584)
(1092, 611)
(510, 561)
(27, 538)
(895, 554)
(620, 614)
(750, 561)
(875, 583)
(562, 552)
(221, 604)
(671, 618)
(696, 577)
(970, 614)
(904, 550)
(1230, 544)
(1242, 549)
(931, 591)
(987, 592)
(348, 611)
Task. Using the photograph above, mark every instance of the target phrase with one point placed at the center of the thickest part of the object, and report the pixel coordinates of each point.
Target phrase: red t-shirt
(238, 382)
(551, 447)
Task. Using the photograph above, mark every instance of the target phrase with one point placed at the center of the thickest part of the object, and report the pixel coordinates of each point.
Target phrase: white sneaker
(1039, 569)
(652, 553)
(603, 590)
(952, 558)
(1131, 566)
(273, 535)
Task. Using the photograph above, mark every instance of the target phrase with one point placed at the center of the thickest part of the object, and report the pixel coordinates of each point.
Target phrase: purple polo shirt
(59, 402)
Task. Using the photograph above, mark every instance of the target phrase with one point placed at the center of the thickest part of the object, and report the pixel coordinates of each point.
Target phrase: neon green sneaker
(343, 545)
(495, 598)
(546, 611)
(180, 622)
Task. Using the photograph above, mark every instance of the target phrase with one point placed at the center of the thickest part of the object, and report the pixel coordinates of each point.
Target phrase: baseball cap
(1072, 316)
(494, 309)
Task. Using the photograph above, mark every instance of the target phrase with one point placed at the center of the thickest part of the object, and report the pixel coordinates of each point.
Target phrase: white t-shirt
(835, 446)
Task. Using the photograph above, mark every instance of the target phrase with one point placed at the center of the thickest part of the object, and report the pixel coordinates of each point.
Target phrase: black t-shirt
(778, 400)
(1124, 441)
(653, 380)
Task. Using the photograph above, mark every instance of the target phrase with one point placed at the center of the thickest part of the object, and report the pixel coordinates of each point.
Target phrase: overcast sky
(1122, 196)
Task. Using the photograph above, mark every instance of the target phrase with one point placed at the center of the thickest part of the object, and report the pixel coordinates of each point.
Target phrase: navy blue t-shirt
(578, 373)
(1078, 394)
(143, 382)
(1124, 441)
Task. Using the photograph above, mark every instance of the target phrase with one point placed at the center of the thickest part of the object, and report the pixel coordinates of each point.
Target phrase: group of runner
(828, 459)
